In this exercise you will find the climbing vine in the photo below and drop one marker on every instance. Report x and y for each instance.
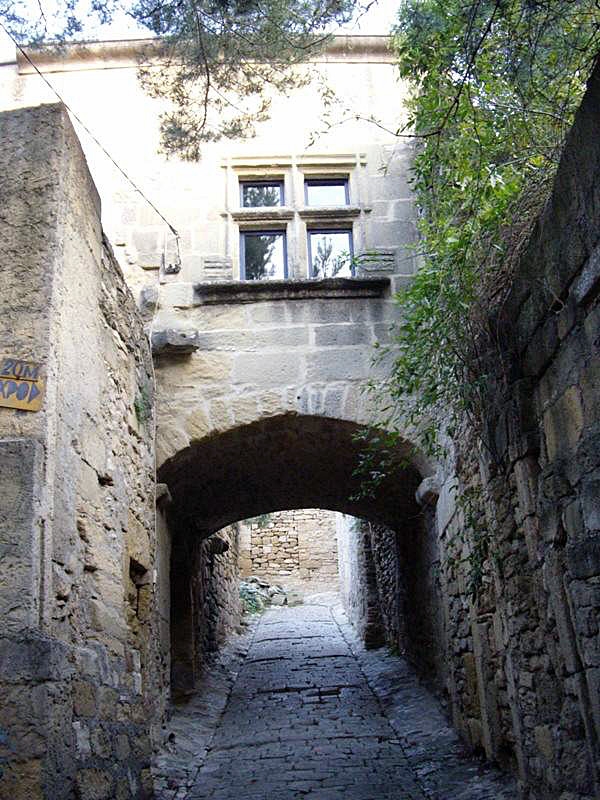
(495, 84)
(494, 88)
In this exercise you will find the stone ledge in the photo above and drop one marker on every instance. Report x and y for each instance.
(330, 214)
(267, 214)
(174, 342)
(252, 291)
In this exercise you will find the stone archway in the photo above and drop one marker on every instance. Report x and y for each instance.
(288, 461)
(282, 462)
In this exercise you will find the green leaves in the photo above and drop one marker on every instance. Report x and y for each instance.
(496, 84)
(222, 60)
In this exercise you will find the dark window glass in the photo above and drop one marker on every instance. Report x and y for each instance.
(330, 254)
(323, 192)
(263, 256)
(261, 193)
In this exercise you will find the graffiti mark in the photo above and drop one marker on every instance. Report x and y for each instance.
(21, 384)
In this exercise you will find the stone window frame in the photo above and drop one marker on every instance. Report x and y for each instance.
(312, 230)
(257, 232)
(296, 217)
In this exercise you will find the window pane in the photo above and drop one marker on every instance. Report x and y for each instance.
(261, 194)
(326, 193)
(330, 254)
(263, 256)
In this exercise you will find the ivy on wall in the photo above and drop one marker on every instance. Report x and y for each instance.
(495, 85)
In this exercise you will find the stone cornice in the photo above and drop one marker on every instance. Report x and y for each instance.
(132, 52)
(330, 214)
(267, 214)
(252, 291)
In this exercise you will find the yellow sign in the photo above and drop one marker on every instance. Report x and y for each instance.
(21, 384)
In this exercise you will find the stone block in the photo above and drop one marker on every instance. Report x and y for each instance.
(276, 370)
(210, 367)
(122, 747)
(588, 280)
(337, 365)
(148, 301)
(107, 620)
(315, 311)
(176, 295)
(197, 425)
(108, 699)
(583, 557)
(84, 699)
(333, 402)
(245, 410)
(170, 439)
(272, 403)
(591, 504)
(34, 658)
(221, 416)
(563, 424)
(22, 780)
(94, 784)
(544, 742)
(137, 541)
(174, 342)
(255, 340)
(342, 335)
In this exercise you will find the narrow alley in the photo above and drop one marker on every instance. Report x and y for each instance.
(312, 714)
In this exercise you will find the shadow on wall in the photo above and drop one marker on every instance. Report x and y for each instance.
(280, 463)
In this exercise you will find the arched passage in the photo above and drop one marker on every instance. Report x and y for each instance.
(283, 462)
(288, 461)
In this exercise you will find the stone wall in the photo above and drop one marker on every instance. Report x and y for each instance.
(291, 547)
(205, 602)
(218, 588)
(80, 672)
(358, 579)
(390, 589)
(524, 652)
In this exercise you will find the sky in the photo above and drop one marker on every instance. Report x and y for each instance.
(378, 20)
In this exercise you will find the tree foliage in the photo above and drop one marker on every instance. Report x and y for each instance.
(215, 62)
(495, 87)
(224, 58)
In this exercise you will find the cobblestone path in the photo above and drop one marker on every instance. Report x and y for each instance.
(304, 719)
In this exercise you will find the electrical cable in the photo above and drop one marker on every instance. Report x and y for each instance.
(91, 135)
(139, 191)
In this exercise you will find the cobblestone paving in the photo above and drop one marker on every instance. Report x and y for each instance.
(311, 714)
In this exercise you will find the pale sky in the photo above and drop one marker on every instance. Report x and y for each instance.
(378, 20)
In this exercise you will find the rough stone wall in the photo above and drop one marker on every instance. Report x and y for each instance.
(217, 587)
(358, 579)
(205, 602)
(390, 589)
(291, 546)
(78, 655)
(524, 654)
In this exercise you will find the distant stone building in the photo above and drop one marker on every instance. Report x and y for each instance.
(292, 548)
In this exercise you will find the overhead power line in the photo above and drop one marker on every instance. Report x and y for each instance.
(90, 134)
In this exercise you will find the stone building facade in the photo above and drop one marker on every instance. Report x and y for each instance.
(109, 599)
(294, 548)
